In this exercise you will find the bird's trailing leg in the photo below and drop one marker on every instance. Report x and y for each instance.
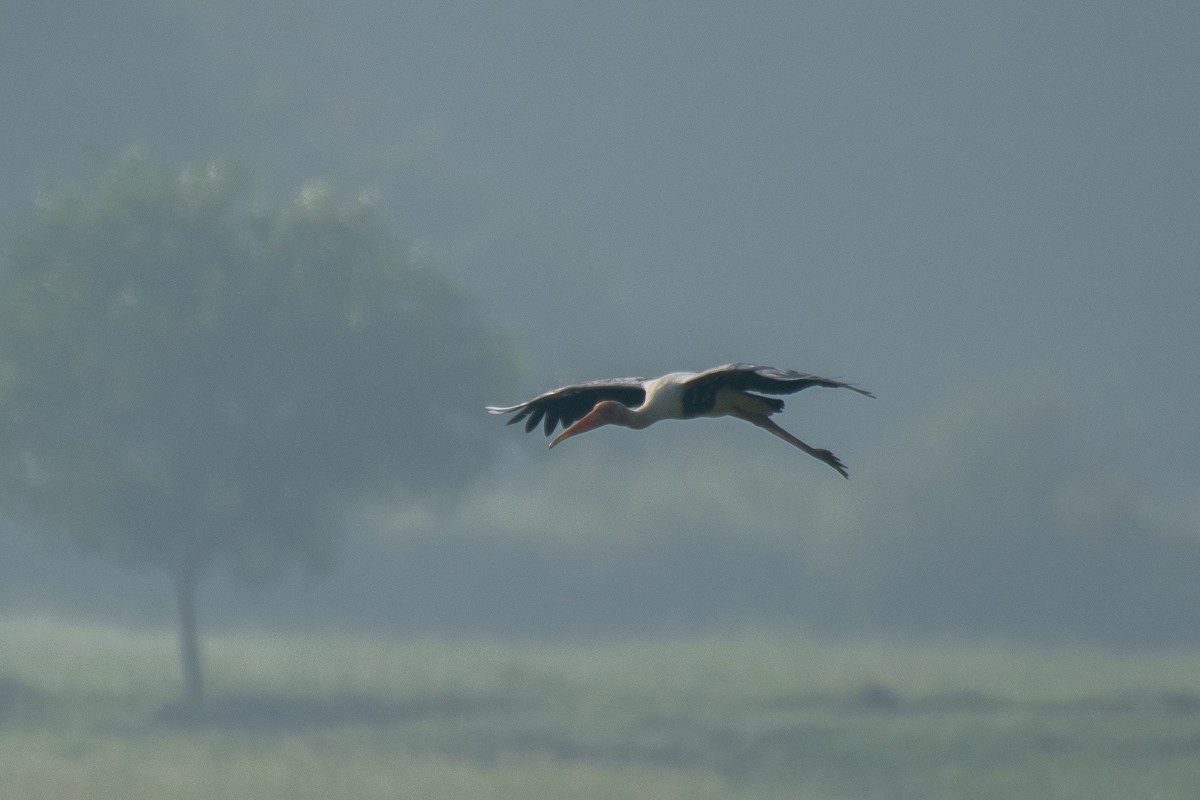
(766, 424)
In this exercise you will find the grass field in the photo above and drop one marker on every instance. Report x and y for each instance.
(85, 712)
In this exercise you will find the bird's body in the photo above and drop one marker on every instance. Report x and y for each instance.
(728, 390)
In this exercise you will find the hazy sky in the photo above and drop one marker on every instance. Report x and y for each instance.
(951, 203)
(986, 213)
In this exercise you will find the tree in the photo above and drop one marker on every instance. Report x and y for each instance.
(190, 382)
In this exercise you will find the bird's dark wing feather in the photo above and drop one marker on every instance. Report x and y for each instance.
(769, 380)
(568, 404)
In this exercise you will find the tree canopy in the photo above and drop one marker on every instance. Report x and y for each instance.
(188, 378)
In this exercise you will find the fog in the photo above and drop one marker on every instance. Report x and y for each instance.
(985, 214)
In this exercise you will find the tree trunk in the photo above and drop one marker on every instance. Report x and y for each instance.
(189, 644)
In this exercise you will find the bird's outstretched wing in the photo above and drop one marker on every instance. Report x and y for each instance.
(769, 380)
(569, 403)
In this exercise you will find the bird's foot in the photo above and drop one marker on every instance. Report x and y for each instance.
(832, 460)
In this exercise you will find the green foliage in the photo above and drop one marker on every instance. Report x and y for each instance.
(185, 376)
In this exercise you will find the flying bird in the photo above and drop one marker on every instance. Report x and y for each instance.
(637, 403)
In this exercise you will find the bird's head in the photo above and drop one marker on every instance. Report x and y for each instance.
(606, 412)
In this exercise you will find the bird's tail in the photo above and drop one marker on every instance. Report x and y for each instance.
(767, 405)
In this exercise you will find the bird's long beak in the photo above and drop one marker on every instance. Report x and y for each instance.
(588, 422)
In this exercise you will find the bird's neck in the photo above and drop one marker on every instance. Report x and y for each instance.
(638, 418)
(664, 400)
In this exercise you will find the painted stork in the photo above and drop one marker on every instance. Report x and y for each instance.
(640, 402)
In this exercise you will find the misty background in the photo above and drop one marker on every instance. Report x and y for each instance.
(987, 215)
